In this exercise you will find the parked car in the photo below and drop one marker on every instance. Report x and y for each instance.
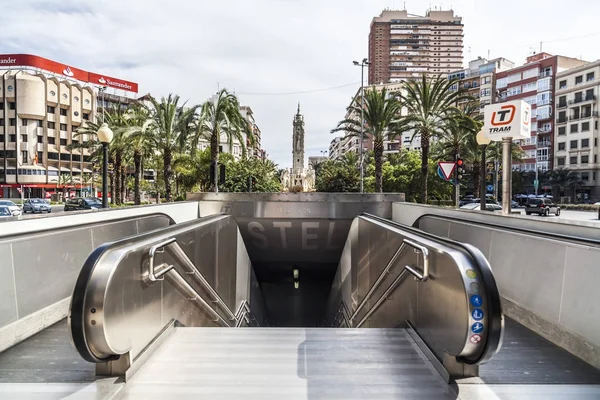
(83, 203)
(5, 212)
(36, 206)
(477, 206)
(541, 207)
(14, 209)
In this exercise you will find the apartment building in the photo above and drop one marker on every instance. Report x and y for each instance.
(42, 104)
(479, 79)
(533, 82)
(404, 46)
(335, 147)
(576, 135)
(236, 147)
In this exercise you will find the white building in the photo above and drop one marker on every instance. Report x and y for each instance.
(577, 135)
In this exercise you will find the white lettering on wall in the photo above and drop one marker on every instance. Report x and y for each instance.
(308, 236)
(260, 240)
(330, 245)
(282, 226)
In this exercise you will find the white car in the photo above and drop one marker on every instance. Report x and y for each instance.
(14, 209)
(5, 212)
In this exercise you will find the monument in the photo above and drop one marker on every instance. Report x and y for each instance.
(298, 176)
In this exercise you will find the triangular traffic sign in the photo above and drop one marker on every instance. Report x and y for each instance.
(447, 168)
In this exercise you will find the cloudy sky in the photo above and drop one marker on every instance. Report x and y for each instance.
(266, 49)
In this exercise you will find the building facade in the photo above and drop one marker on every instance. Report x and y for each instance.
(533, 83)
(576, 135)
(404, 46)
(42, 104)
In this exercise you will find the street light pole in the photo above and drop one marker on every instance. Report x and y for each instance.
(483, 142)
(362, 65)
(105, 136)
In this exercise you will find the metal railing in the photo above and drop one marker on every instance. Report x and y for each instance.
(420, 249)
(156, 273)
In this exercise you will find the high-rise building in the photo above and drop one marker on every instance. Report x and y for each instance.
(576, 135)
(42, 104)
(533, 82)
(405, 46)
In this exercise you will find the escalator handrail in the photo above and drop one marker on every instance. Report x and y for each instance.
(495, 314)
(551, 235)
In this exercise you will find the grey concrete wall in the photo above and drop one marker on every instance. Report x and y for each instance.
(547, 284)
(38, 269)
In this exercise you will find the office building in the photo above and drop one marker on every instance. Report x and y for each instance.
(533, 82)
(576, 135)
(42, 104)
(404, 46)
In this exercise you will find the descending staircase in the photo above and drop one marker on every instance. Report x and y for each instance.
(288, 364)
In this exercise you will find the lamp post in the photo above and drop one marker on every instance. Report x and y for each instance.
(362, 66)
(483, 142)
(105, 135)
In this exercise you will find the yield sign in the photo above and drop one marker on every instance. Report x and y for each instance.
(447, 167)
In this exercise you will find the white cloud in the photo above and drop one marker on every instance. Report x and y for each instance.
(266, 46)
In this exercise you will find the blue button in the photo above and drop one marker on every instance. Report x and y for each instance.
(476, 300)
(477, 327)
(477, 314)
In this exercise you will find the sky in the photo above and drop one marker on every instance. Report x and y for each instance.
(270, 51)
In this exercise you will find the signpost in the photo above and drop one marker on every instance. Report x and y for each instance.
(446, 168)
(504, 122)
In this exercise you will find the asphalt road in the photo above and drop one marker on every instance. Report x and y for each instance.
(58, 209)
(569, 215)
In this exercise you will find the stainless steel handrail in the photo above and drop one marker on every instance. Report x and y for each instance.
(177, 252)
(385, 295)
(422, 277)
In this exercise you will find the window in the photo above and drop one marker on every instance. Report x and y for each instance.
(573, 160)
(513, 91)
(560, 161)
(543, 99)
(24, 138)
(589, 76)
(562, 116)
(585, 143)
(585, 127)
(63, 127)
(485, 92)
(50, 110)
(86, 116)
(514, 78)
(24, 155)
(24, 122)
(12, 121)
(585, 176)
(501, 83)
(529, 87)
(51, 140)
(2, 137)
(63, 112)
(562, 146)
(40, 138)
(573, 144)
(63, 142)
(486, 80)
(585, 159)
(578, 97)
(51, 125)
(578, 79)
(531, 73)
(40, 155)
(543, 112)
(562, 101)
(586, 111)
(12, 105)
(562, 84)
(39, 123)
(574, 128)
(544, 84)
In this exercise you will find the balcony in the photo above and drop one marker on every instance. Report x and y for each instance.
(543, 158)
(562, 104)
(574, 117)
(545, 130)
(543, 117)
(545, 74)
(582, 99)
(562, 120)
(543, 143)
(589, 115)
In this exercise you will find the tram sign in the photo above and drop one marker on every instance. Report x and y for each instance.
(511, 119)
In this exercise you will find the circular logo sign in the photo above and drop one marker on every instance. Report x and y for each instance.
(475, 339)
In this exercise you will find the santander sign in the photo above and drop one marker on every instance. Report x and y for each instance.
(27, 60)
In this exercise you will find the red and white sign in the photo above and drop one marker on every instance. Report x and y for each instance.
(27, 60)
(475, 339)
(447, 167)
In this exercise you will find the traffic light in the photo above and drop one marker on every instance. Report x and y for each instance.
(460, 169)
(251, 183)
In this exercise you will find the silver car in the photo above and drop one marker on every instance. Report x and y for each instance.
(36, 206)
(5, 212)
(14, 209)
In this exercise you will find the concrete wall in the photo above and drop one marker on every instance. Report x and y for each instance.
(547, 284)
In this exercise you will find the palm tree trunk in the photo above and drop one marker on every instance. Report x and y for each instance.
(378, 154)
(111, 182)
(123, 183)
(424, 165)
(137, 162)
(214, 159)
(167, 159)
(117, 172)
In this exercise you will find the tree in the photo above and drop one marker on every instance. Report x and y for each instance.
(222, 118)
(137, 134)
(431, 109)
(263, 173)
(563, 178)
(172, 126)
(336, 177)
(381, 120)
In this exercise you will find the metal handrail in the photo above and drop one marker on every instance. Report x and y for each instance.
(156, 273)
(422, 277)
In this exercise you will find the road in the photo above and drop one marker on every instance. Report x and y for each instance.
(58, 209)
(569, 215)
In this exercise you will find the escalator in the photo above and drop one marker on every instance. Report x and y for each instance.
(199, 309)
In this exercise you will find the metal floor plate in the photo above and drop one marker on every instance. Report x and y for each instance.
(280, 363)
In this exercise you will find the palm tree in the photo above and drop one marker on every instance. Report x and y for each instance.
(431, 109)
(138, 136)
(563, 178)
(381, 120)
(172, 125)
(219, 119)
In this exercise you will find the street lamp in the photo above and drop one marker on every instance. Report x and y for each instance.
(105, 135)
(483, 141)
(362, 66)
